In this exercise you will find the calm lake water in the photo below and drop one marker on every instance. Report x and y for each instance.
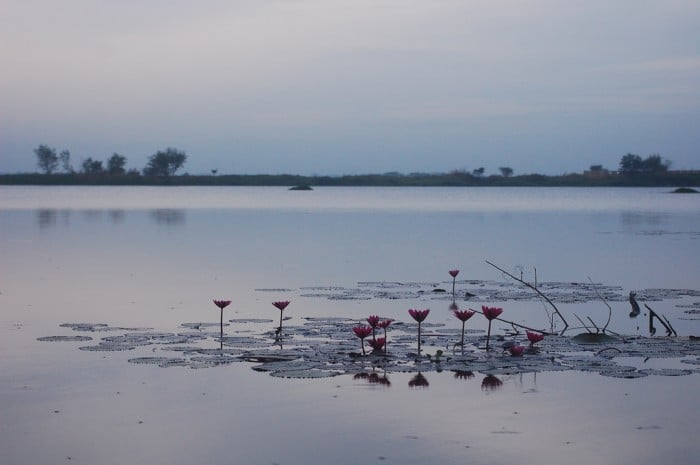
(157, 256)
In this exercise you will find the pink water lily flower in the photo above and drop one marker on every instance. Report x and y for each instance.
(490, 313)
(534, 337)
(281, 305)
(516, 351)
(373, 321)
(419, 316)
(378, 343)
(454, 274)
(222, 304)
(463, 316)
(384, 324)
(362, 331)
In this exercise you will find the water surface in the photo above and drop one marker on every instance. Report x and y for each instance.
(156, 256)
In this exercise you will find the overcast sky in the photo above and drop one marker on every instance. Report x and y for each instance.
(358, 86)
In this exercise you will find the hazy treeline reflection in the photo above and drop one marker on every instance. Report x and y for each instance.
(47, 218)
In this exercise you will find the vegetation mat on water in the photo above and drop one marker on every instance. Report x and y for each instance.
(323, 347)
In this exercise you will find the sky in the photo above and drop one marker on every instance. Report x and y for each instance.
(335, 87)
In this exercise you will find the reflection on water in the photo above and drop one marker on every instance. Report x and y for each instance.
(418, 381)
(168, 216)
(172, 250)
(373, 378)
(465, 375)
(633, 220)
(117, 216)
(491, 383)
(48, 218)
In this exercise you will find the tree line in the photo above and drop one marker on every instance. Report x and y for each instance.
(162, 163)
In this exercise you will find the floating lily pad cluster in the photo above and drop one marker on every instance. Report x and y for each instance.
(322, 347)
(488, 291)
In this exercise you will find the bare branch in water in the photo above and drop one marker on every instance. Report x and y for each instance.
(604, 301)
(584, 324)
(597, 329)
(666, 324)
(534, 288)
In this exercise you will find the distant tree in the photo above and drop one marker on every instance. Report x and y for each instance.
(634, 164)
(506, 171)
(116, 164)
(655, 164)
(90, 166)
(47, 160)
(165, 163)
(479, 172)
(596, 168)
(64, 156)
(214, 171)
(631, 164)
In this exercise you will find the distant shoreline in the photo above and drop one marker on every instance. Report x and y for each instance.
(454, 179)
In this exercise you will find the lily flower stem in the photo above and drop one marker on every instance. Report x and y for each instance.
(453, 287)
(488, 336)
(386, 343)
(362, 343)
(280, 323)
(419, 338)
(463, 323)
(221, 332)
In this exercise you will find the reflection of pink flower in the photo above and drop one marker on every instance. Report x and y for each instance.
(378, 343)
(374, 378)
(463, 315)
(490, 313)
(491, 383)
(362, 331)
(534, 337)
(419, 316)
(454, 273)
(418, 381)
(516, 351)
(460, 374)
